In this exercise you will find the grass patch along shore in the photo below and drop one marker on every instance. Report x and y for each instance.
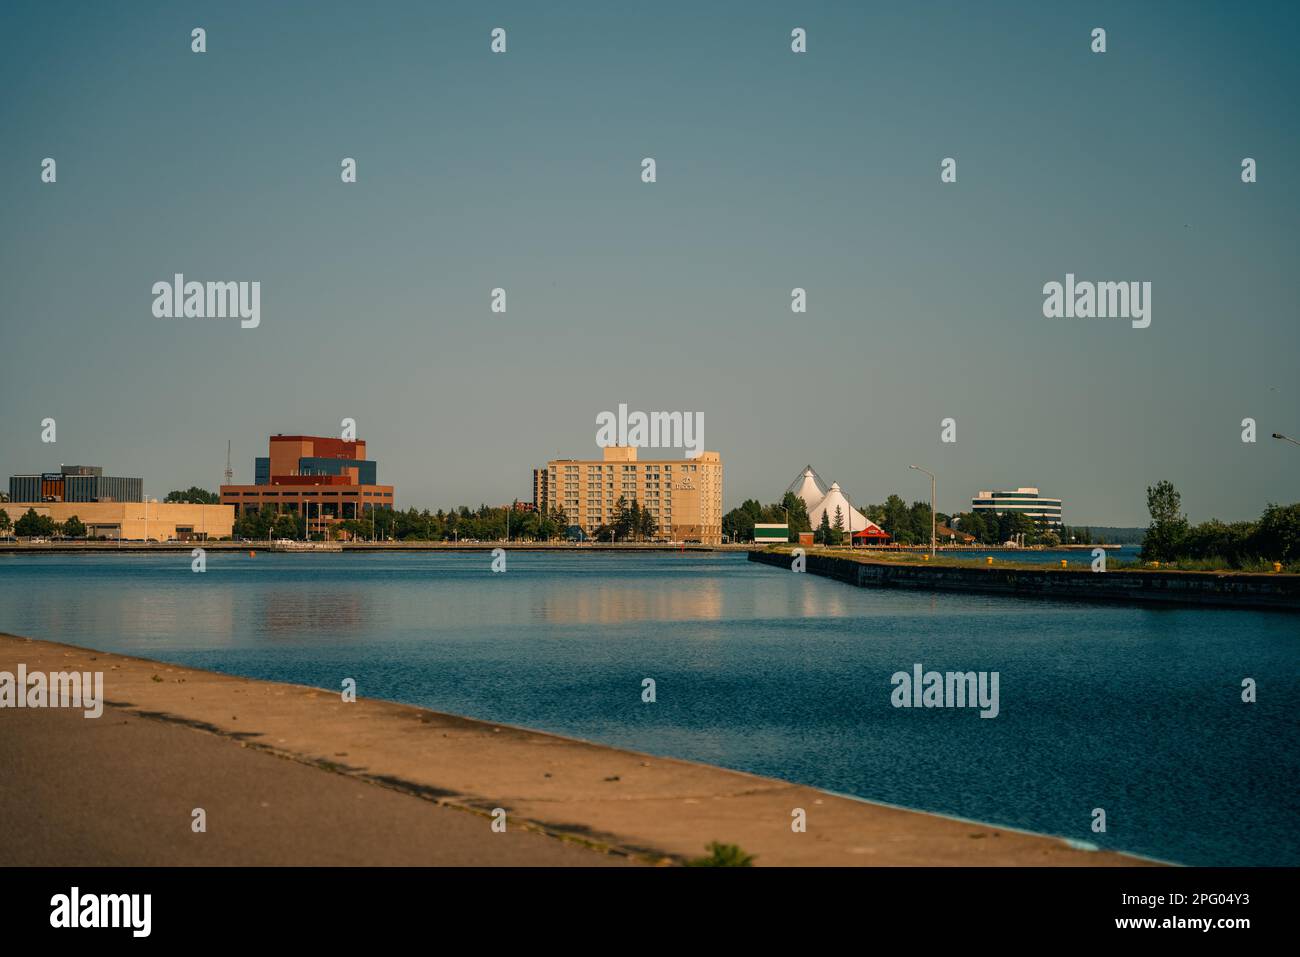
(1002, 558)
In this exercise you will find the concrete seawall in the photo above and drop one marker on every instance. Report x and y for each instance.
(1205, 589)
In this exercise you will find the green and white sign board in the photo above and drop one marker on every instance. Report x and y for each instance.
(768, 534)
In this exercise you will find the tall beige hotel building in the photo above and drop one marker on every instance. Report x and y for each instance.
(684, 495)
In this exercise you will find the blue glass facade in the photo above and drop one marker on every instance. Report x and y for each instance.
(102, 488)
(367, 469)
(24, 488)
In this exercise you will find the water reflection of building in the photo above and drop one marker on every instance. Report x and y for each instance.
(611, 603)
(306, 609)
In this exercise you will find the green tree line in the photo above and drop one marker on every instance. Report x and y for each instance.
(1274, 537)
(32, 525)
(738, 524)
(386, 523)
(905, 524)
(630, 523)
(194, 496)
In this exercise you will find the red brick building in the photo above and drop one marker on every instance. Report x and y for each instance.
(326, 480)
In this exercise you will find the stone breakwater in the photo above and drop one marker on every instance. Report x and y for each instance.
(1205, 589)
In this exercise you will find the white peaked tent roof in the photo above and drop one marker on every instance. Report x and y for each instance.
(809, 490)
(828, 504)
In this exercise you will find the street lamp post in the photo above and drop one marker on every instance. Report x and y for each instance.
(1285, 438)
(932, 521)
(850, 501)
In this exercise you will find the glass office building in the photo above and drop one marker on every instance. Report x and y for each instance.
(1025, 500)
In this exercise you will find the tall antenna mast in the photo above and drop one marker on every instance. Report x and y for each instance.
(230, 476)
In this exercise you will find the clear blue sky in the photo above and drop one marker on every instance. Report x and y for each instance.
(775, 170)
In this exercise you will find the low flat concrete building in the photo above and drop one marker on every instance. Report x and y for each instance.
(137, 521)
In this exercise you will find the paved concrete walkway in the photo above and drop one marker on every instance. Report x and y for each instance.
(121, 789)
(293, 775)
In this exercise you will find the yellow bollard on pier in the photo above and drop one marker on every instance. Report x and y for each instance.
(1062, 562)
(989, 560)
(1277, 566)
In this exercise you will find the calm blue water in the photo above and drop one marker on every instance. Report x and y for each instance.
(1134, 710)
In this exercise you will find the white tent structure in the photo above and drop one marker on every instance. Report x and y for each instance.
(853, 520)
(809, 487)
(820, 500)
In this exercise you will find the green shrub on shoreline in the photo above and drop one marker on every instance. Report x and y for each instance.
(1216, 545)
(723, 855)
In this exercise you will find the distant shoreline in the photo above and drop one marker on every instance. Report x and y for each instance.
(423, 546)
(336, 547)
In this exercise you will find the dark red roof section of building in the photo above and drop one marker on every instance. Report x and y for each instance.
(311, 480)
(324, 447)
